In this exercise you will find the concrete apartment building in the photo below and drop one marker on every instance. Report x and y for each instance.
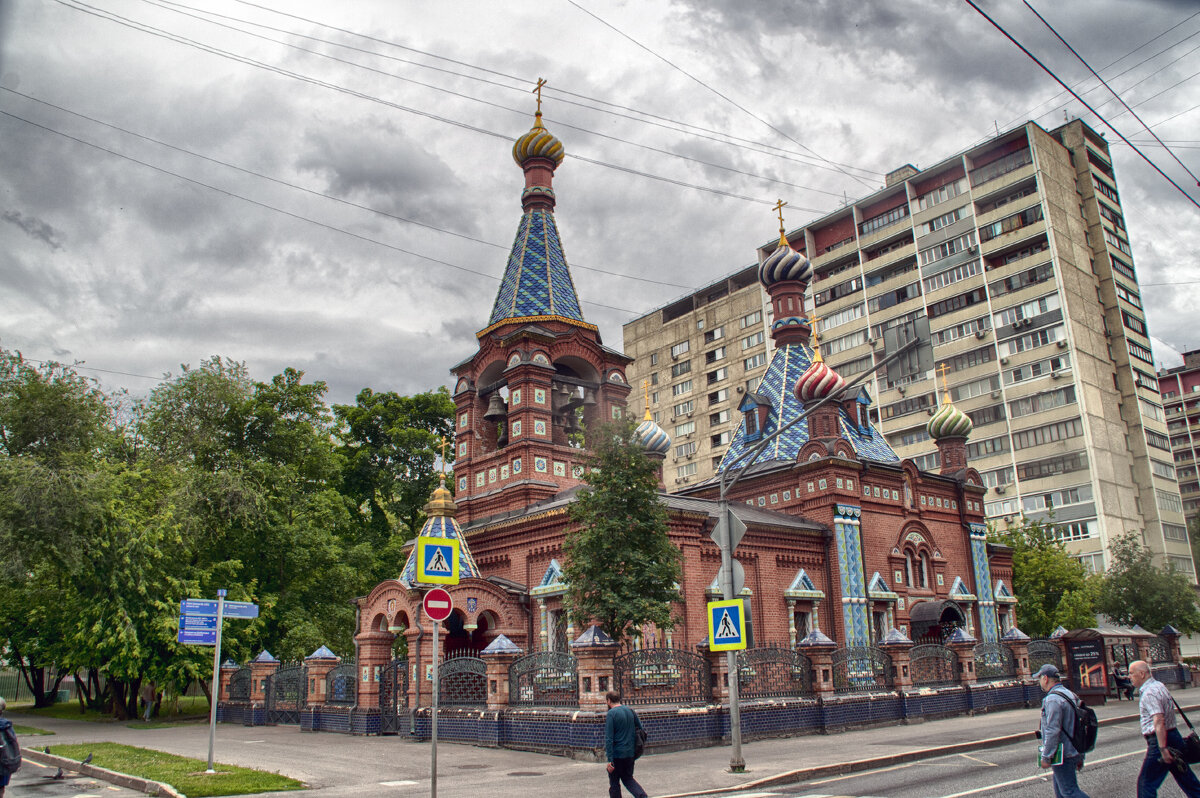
(1016, 252)
(1180, 388)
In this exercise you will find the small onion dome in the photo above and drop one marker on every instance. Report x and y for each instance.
(442, 502)
(652, 437)
(783, 264)
(949, 422)
(817, 382)
(538, 142)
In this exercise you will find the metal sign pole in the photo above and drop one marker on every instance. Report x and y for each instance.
(433, 720)
(736, 763)
(214, 692)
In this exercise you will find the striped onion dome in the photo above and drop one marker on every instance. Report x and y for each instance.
(538, 142)
(949, 422)
(784, 263)
(817, 382)
(652, 437)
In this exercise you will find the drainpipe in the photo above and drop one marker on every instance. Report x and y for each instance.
(420, 677)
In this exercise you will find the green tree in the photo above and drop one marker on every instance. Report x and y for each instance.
(620, 567)
(1136, 591)
(1051, 586)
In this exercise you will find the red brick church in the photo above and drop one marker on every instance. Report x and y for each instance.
(846, 543)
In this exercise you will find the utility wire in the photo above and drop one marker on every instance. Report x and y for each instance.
(727, 138)
(270, 207)
(1047, 70)
(141, 27)
(1114, 94)
(724, 97)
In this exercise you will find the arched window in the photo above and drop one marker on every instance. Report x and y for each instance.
(908, 569)
(924, 570)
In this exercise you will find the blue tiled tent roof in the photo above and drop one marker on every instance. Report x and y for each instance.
(442, 526)
(537, 282)
(787, 364)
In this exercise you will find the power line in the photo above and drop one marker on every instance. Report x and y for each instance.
(727, 99)
(1048, 71)
(1114, 94)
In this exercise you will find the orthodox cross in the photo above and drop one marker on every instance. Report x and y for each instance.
(816, 345)
(779, 206)
(646, 392)
(538, 91)
(444, 444)
(945, 391)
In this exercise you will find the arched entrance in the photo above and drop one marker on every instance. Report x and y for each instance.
(933, 621)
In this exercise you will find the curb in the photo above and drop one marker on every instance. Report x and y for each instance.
(859, 765)
(111, 776)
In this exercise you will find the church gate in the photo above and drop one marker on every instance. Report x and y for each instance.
(341, 685)
(1044, 652)
(544, 679)
(393, 695)
(462, 680)
(287, 690)
(773, 672)
(662, 676)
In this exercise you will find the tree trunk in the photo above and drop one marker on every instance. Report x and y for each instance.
(205, 689)
(119, 709)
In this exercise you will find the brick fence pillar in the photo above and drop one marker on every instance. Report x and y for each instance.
(963, 646)
(261, 667)
(1171, 635)
(897, 646)
(499, 655)
(819, 650)
(594, 654)
(374, 654)
(319, 664)
(1018, 643)
(228, 668)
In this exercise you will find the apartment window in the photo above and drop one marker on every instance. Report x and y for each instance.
(1041, 245)
(1175, 532)
(683, 450)
(872, 254)
(838, 291)
(941, 194)
(1112, 216)
(1133, 322)
(1026, 310)
(986, 415)
(683, 408)
(654, 398)
(1165, 470)
(909, 436)
(1094, 563)
(947, 248)
(883, 220)
(1182, 564)
(1158, 440)
(970, 390)
(1001, 166)
(997, 477)
(715, 334)
(718, 375)
(952, 276)
(680, 369)
(654, 358)
(843, 343)
(718, 418)
(888, 272)
(654, 378)
(752, 340)
(720, 439)
(914, 404)
(855, 366)
(928, 462)
(842, 316)
(1116, 241)
(1152, 410)
(752, 318)
(1122, 268)
(682, 388)
(754, 362)
(962, 330)
(716, 397)
(680, 348)
(753, 383)
(945, 220)
(845, 242)
(1132, 297)
(1000, 508)
(1168, 502)
(1106, 189)
(1077, 530)
(1056, 498)
(1015, 282)
(887, 300)
(1140, 352)
(1013, 196)
(1009, 223)
(1032, 340)
(1036, 369)
(686, 428)
(1062, 430)
(686, 470)
(714, 355)
(989, 446)
(984, 354)
(1051, 466)
(1037, 403)
(965, 300)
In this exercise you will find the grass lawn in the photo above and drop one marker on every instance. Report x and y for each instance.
(19, 729)
(184, 774)
(189, 706)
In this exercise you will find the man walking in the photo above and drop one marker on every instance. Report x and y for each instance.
(1058, 724)
(1158, 727)
(619, 725)
(10, 750)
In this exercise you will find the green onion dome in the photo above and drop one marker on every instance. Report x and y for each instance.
(949, 422)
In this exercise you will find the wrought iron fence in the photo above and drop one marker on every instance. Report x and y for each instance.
(662, 676)
(1123, 654)
(771, 672)
(861, 669)
(393, 692)
(462, 681)
(287, 690)
(545, 678)
(993, 661)
(1044, 652)
(1160, 650)
(932, 666)
(341, 685)
(240, 685)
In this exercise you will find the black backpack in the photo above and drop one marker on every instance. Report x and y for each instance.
(639, 742)
(10, 751)
(1086, 726)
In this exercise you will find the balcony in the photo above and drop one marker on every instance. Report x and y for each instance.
(1004, 211)
(1013, 237)
(889, 258)
(981, 192)
(848, 253)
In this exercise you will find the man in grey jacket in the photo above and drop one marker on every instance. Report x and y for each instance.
(1058, 724)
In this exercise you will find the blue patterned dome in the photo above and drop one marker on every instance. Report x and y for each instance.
(783, 264)
(652, 437)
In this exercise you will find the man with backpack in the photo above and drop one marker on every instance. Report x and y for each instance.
(1163, 741)
(10, 751)
(1059, 727)
(620, 737)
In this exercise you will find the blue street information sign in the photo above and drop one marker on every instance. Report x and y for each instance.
(233, 609)
(198, 637)
(726, 625)
(198, 622)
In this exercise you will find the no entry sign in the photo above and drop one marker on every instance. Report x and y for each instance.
(438, 604)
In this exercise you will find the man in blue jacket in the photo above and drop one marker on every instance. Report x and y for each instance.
(619, 725)
(1058, 724)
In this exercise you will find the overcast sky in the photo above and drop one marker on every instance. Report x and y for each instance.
(334, 190)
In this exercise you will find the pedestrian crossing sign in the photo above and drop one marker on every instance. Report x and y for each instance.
(726, 625)
(437, 560)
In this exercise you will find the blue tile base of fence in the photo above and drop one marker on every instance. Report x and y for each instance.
(580, 734)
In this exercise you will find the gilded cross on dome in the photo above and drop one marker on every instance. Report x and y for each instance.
(945, 390)
(816, 345)
(646, 393)
(779, 206)
(538, 91)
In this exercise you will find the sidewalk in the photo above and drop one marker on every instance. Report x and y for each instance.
(341, 765)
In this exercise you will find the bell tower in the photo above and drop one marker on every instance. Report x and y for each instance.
(541, 374)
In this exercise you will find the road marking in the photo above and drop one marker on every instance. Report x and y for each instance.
(980, 761)
(832, 779)
(252, 742)
(397, 783)
(1043, 775)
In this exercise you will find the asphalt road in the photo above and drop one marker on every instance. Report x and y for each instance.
(1111, 770)
(35, 780)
